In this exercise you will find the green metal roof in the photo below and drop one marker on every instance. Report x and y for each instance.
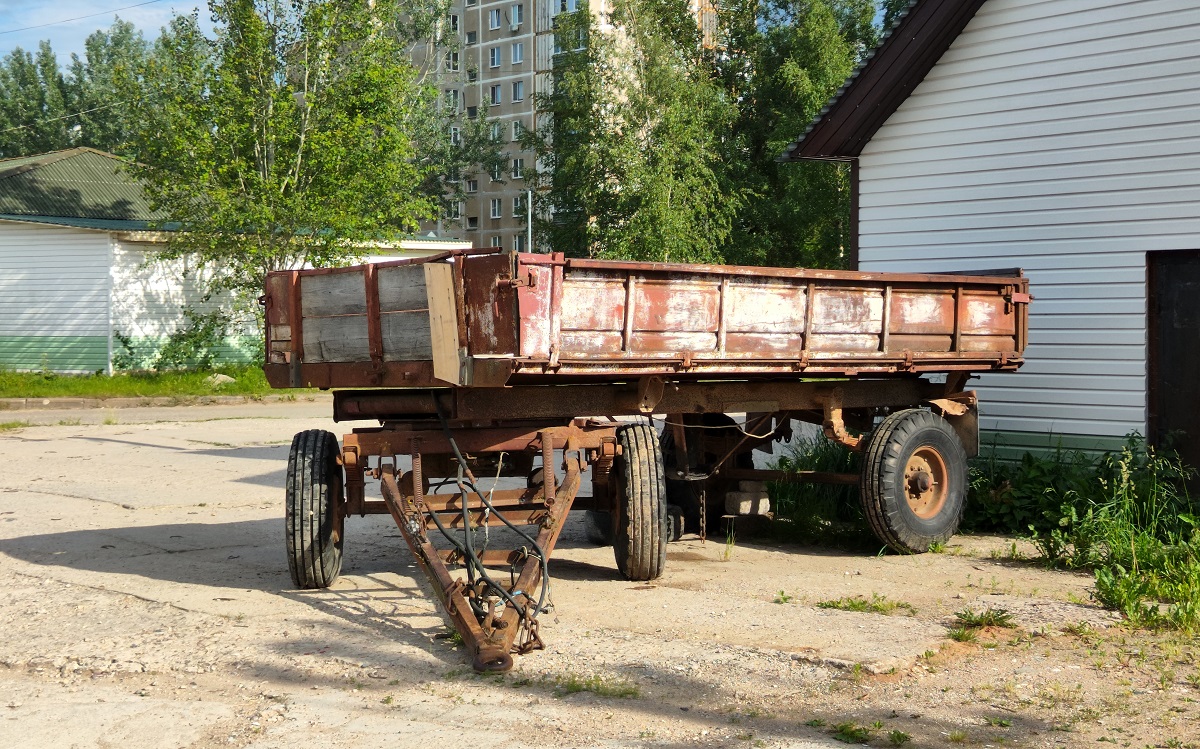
(77, 187)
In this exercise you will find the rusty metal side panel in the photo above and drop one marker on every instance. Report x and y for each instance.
(846, 318)
(489, 304)
(533, 311)
(277, 317)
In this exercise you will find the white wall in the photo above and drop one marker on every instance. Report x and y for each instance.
(54, 287)
(1061, 136)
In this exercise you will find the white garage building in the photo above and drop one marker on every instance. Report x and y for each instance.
(1061, 137)
(75, 284)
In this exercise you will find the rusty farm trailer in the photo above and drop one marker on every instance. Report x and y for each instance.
(496, 364)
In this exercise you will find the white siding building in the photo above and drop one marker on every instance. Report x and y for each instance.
(1061, 137)
(80, 290)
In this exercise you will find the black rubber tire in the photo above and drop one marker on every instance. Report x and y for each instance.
(640, 544)
(901, 439)
(311, 515)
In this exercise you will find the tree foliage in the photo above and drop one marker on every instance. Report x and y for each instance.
(631, 141)
(285, 139)
(658, 148)
(44, 109)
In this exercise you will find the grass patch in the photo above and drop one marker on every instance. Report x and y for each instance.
(8, 426)
(898, 738)
(851, 733)
(876, 604)
(248, 381)
(962, 634)
(819, 514)
(572, 684)
(989, 617)
(1125, 515)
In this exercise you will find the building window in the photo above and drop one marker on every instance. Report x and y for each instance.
(494, 18)
(472, 37)
(568, 6)
(518, 169)
(472, 222)
(518, 16)
(518, 91)
(497, 207)
(518, 130)
(472, 2)
(454, 210)
(518, 242)
(455, 136)
(495, 94)
(494, 57)
(495, 173)
(452, 101)
(494, 241)
(472, 112)
(518, 53)
(452, 62)
(497, 129)
(472, 75)
(472, 185)
(519, 206)
(454, 23)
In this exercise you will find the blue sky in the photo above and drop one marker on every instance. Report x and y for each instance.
(66, 35)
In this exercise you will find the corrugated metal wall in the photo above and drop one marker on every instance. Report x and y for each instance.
(54, 287)
(1060, 136)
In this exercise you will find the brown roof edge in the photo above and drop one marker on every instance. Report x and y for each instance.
(884, 80)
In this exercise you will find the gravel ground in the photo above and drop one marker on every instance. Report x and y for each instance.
(145, 602)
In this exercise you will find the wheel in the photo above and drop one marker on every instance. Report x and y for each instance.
(914, 480)
(313, 515)
(640, 543)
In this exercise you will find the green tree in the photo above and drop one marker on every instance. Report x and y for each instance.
(658, 149)
(32, 103)
(631, 138)
(286, 139)
(93, 87)
(42, 109)
(785, 59)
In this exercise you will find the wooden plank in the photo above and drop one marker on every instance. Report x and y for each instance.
(336, 339)
(443, 322)
(402, 287)
(406, 336)
(332, 294)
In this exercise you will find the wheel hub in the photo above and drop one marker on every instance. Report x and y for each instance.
(925, 482)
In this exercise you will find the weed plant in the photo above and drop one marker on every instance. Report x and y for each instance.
(1126, 515)
(876, 604)
(825, 514)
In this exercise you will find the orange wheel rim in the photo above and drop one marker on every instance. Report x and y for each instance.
(925, 482)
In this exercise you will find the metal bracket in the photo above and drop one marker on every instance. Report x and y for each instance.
(834, 426)
(650, 393)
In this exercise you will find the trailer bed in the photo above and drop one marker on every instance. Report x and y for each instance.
(492, 318)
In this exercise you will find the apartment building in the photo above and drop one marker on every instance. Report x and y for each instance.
(503, 58)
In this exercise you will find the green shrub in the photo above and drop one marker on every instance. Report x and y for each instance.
(1126, 515)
